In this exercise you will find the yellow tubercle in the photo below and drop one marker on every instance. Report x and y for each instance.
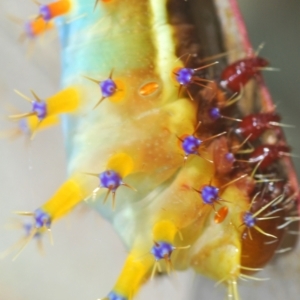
(66, 101)
(35, 124)
(164, 230)
(121, 163)
(66, 198)
(59, 8)
(135, 272)
(40, 26)
(120, 93)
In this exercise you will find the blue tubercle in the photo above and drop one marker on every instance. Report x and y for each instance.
(45, 12)
(230, 157)
(162, 250)
(184, 76)
(249, 220)
(40, 108)
(23, 126)
(41, 219)
(28, 229)
(110, 180)
(209, 194)
(214, 113)
(108, 87)
(190, 145)
(28, 29)
(115, 296)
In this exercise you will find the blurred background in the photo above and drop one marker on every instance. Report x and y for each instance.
(87, 256)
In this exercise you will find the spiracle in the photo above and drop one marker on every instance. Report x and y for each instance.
(145, 132)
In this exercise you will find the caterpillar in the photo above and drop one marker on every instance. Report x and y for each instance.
(163, 229)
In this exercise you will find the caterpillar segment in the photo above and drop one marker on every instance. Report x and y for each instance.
(172, 213)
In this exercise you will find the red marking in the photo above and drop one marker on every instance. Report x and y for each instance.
(149, 88)
(239, 73)
(268, 154)
(257, 124)
(221, 214)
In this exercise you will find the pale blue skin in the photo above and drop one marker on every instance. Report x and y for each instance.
(68, 69)
(95, 55)
(74, 65)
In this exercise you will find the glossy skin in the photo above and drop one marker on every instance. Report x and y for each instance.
(256, 124)
(259, 247)
(238, 74)
(268, 154)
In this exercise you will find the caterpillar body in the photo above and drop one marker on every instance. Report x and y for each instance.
(183, 155)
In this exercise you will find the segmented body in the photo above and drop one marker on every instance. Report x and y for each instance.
(135, 135)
